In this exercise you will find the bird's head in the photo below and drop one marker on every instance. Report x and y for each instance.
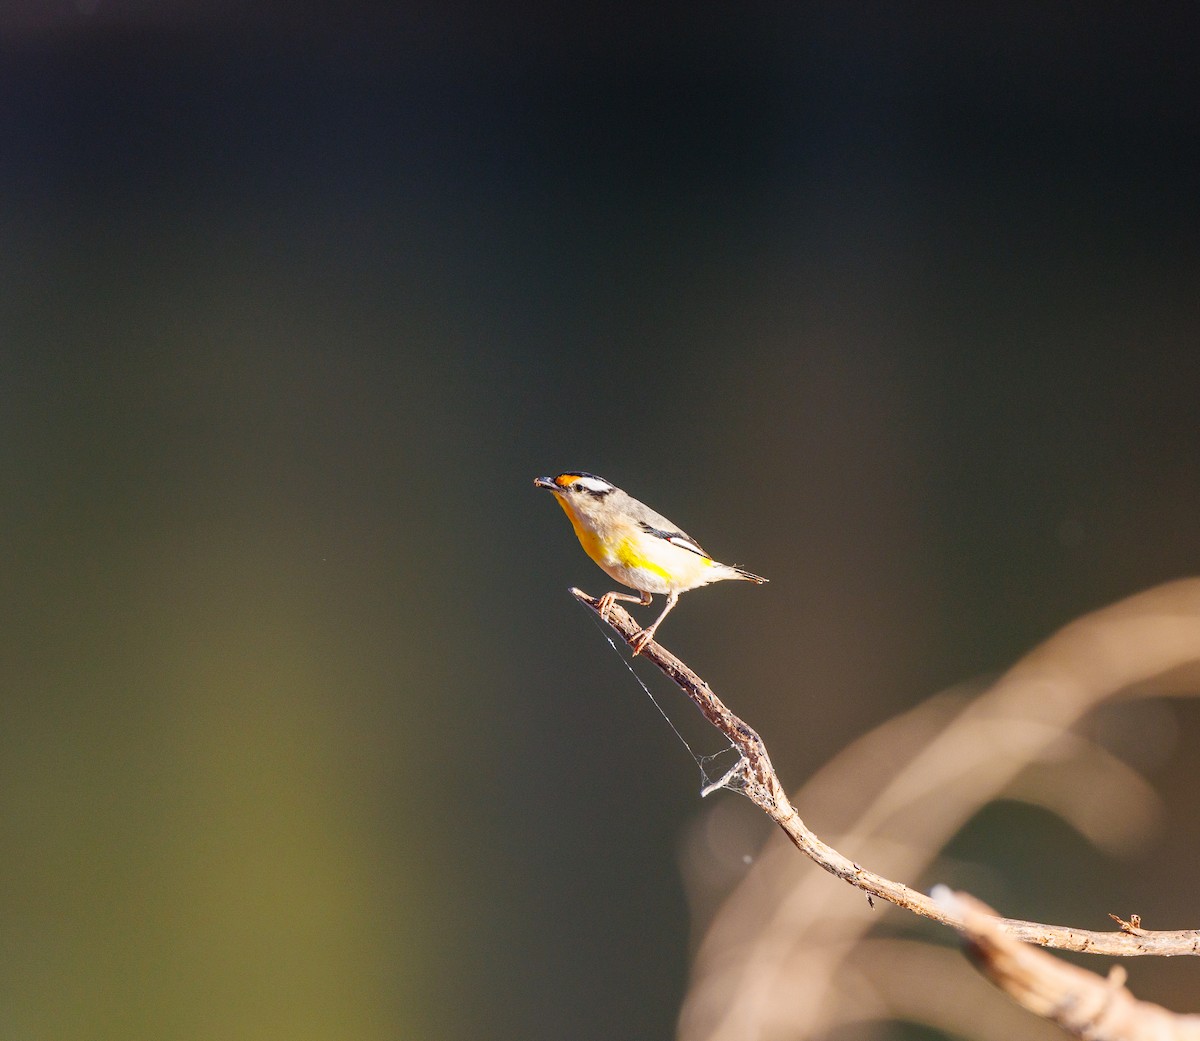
(577, 490)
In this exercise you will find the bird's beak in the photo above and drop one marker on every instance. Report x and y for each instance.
(545, 482)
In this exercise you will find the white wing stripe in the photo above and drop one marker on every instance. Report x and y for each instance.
(688, 544)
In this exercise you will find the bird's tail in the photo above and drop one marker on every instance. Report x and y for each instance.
(742, 573)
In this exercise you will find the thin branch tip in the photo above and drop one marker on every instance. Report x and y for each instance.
(1133, 927)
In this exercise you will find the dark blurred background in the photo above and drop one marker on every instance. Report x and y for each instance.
(300, 734)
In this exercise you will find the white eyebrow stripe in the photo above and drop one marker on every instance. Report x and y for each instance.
(592, 484)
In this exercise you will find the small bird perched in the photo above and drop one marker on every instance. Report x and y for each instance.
(634, 545)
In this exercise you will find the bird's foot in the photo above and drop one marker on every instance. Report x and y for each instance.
(605, 605)
(641, 640)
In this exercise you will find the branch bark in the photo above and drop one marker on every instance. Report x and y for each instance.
(756, 778)
(1081, 1002)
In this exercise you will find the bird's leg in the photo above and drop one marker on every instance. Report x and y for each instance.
(647, 634)
(608, 599)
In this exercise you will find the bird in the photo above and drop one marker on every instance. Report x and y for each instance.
(635, 546)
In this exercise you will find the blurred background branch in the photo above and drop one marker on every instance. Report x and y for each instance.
(955, 758)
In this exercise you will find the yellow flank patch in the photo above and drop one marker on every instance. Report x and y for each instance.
(628, 555)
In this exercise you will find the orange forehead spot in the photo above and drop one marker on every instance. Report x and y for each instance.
(565, 480)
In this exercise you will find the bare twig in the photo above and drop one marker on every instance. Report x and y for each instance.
(1087, 1005)
(762, 786)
